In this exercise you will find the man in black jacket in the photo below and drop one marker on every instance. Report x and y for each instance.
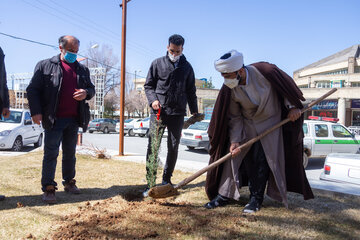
(4, 94)
(169, 86)
(57, 94)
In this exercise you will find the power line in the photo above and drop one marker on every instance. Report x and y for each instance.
(56, 47)
(99, 32)
(19, 38)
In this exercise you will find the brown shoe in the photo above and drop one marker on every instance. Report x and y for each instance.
(71, 187)
(49, 194)
(2, 197)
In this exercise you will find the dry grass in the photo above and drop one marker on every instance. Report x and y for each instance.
(110, 207)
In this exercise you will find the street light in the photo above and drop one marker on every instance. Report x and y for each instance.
(83, 58)
(136, 71)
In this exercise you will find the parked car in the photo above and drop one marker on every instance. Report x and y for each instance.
(324, 137)
(141, 127)
(128, 126)
(19, 130)
(354, 130)
(342, 167)
(195, 136)
(104, 125)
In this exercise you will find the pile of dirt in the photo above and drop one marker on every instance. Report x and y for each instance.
(134, 218)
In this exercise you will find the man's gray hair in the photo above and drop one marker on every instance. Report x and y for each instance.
(63, 40)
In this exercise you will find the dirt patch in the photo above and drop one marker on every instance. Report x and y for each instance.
(160, 219)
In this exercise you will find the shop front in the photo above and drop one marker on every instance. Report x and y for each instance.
(326, 108)
(355, 112)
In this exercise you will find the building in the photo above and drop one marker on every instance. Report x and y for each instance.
(206, 96)
(340, 70)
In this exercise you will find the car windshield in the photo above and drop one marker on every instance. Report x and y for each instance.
(15, 117)
(146, 119)
(128, 120)
(199, 126)
(98, 120)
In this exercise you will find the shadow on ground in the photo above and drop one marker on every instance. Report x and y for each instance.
(129, 193)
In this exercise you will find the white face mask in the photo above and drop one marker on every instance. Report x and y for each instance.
(174, 58)
(231, 82)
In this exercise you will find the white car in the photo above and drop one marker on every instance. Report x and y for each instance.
(128, 127)
(195, 136)
(18, 130)
(324, 137)
(342, 167)
(141, 127)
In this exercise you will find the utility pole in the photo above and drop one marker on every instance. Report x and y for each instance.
(122, 80)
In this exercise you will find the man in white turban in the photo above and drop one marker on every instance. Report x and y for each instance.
(253, 99)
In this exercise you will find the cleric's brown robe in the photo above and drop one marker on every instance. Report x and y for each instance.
(285, 87)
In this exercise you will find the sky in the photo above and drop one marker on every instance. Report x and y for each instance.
(289, 33)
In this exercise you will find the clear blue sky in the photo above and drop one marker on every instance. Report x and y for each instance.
(289, 33)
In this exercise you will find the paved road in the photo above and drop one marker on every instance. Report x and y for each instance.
(138, 145)
(191, 160)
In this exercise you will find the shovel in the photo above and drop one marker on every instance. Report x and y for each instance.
(169, 190)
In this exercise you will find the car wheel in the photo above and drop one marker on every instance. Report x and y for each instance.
(39, 141)
(131, 133)
(18, 144)
(305, 160)
(91, 131)
(106, 130)
(190, 148)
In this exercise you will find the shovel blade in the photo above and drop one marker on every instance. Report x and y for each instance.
(163, 191)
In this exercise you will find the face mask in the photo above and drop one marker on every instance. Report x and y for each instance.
(174, 58)
(231, 82)
(70, 57)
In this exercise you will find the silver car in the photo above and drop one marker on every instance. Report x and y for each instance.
(104, 125)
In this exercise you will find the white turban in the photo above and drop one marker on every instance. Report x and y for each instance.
(230, 62)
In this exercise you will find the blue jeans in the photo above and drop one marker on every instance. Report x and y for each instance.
(64, 131)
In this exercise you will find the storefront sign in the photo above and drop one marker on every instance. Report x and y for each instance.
(327, 104)
(355, 103)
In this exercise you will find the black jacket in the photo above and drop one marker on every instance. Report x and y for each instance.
(4, 92)
(172, 86)
(43, 91)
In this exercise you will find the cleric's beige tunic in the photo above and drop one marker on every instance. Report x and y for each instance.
(255, 107)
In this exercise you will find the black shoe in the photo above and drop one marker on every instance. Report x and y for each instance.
(253, 206)
(146, 193)
(218, 201)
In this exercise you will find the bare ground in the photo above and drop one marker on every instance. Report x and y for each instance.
(111, 207)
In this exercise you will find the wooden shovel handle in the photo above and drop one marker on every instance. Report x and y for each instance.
(248, 143)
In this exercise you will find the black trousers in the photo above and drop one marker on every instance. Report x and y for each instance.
(257, 170)
(174, 124)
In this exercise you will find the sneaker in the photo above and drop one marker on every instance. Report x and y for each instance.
(71, 187)
(218, 201)
(146, 193)
(49, 194)
(253, 206)
(2, 197)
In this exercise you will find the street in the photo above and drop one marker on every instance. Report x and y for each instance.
(138, 145)
(198, 158)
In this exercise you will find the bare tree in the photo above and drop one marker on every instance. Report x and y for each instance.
(136, 103)
(111, 103)
(104, 57)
